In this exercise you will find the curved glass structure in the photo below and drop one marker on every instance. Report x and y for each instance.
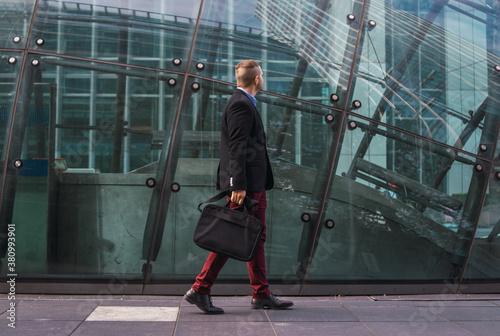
(382, 120)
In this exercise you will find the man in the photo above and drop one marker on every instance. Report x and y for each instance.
(244, 170)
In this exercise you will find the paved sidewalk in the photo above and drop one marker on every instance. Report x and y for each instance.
(441, 315)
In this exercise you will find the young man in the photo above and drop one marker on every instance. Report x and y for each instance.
(244, 170)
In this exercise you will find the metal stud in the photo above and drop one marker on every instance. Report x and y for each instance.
(195, 86)
(497, 67)
(176, 61)
(329, 224)
(329, 118)
(497, 174)
(351, 125)
(200, 66)
(175, 187)
(18, 163)
(150, 182)
(12, 60)
(172, 82)
(40, 41)
(483, 148)
(305, 217)
(478, 167)
(351, 18)
(356, 104)
(334, 98)
(372, 24)
(35, 62)
(16, 39)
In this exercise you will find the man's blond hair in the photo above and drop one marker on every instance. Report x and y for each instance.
(245, 72)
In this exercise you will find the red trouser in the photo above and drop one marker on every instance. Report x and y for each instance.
(256, 266)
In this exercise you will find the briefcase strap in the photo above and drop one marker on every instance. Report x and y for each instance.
(248, 203)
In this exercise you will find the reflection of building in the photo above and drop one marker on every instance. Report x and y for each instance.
(374, 122)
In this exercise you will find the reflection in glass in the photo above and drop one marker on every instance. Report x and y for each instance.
(148, 33)
(14, 25)
(407, 176)
(414, 206)
(484, 260)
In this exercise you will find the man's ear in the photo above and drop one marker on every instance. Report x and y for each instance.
(256, 80)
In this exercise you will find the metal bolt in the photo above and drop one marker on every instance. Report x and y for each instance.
(150, 182)
(334, 98)
(483, 148)
(200, 66)
(195, 86)
(329, 118)
(351, 17)
(176, 61)
(329, 224)
(40, 41)
(16, 39)
(18, 163)
(35, 62)
(12, 60)
(356, 104)
(175, 187)
(372, 23)
(305, 217)
(351, 125)
(172, 82)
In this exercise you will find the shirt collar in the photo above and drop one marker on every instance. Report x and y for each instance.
(252, 98)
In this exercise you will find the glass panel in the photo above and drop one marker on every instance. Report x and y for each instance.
(10, 65)
(484, 260)
(15, 23)
(291, 39)
(9, 72)
(147, 33)
(196, 169)
(396, 214)
(425, 68)
(83, 216)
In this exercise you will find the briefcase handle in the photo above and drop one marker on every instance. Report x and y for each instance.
(248, 203)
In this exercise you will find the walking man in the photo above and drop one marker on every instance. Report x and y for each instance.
(244, 170)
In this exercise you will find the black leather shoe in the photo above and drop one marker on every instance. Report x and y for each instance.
(271, 302)
(203, 302)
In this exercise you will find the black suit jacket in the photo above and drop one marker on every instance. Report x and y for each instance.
(244, 163)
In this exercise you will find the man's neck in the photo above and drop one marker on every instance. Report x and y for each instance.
(251, 90)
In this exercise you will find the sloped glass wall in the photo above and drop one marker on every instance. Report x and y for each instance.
(381, 118)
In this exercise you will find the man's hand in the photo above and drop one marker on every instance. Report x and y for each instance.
(238, 196)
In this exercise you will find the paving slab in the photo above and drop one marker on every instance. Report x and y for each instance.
(417, 328)
(38, 328)
(136, 314)
(395, 314)
(321, 328)
(459, 314)
(191, 313)
(29, 311)
(237, 328)
(311, 314)
(124, 328)
(481, 328)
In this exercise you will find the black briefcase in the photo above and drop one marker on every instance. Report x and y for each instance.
(232, 233)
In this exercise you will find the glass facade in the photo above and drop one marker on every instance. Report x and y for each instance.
(382, 120)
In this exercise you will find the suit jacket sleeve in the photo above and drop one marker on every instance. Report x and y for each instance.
(239, 125)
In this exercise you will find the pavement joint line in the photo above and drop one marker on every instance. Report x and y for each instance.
(271, 323)
(459, 326)
(360, 321)
(178, 317)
